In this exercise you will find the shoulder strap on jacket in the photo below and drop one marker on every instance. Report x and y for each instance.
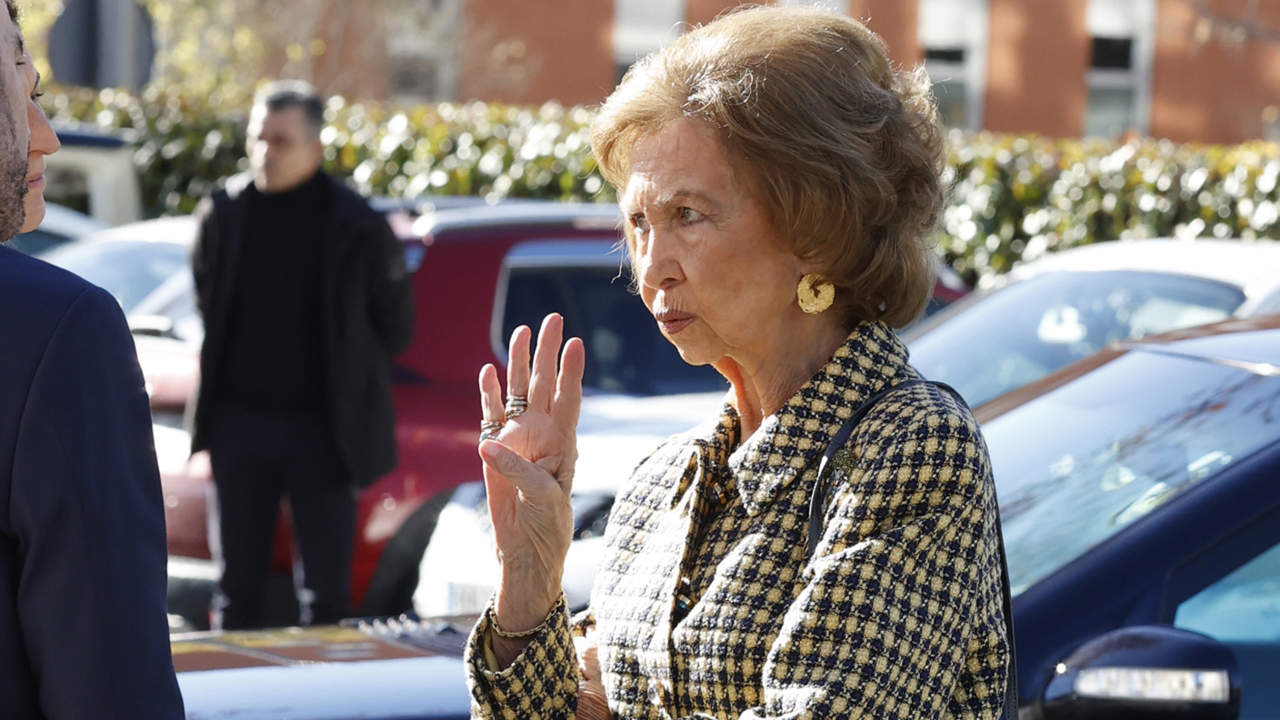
(817, 511)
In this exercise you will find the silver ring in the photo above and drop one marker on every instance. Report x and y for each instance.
(516, 405)
(488, 429)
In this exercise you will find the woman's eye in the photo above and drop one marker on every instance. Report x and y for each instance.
(688, 215)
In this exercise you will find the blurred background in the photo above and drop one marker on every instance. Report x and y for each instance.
(1075, 120)
(1073, 123)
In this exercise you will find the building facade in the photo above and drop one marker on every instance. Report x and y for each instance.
(1188, 70)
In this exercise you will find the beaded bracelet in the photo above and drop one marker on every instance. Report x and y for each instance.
(493, 622)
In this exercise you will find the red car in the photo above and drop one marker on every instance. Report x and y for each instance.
(478, 273)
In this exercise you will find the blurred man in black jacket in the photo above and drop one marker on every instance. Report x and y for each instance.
(82, 540)
(305, 300)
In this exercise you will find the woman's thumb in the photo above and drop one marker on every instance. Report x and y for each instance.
(507, 463)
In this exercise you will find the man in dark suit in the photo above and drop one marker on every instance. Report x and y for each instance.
(305, 300)
(82, 539)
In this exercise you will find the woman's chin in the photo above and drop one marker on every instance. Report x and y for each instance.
(694, 355)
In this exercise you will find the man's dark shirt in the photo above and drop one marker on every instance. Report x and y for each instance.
(273, 352)
(366, 316)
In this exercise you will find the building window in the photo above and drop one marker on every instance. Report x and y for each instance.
(1119, 85)
(946, 68)
(641, 27)
(953, 35)
(422, 45)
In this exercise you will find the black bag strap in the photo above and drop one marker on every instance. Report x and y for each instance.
(817, 510)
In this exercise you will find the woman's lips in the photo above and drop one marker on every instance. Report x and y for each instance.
(673, 322)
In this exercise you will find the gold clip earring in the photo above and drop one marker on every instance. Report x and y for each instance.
(815, 296)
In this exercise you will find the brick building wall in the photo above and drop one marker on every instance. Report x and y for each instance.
(1036, 63)
(1210, 84)
(531, 52)
(1202, 81)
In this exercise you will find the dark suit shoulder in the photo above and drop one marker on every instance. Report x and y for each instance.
(35, 295)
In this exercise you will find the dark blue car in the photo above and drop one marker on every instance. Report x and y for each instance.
(1140, 492)
(1140, 496)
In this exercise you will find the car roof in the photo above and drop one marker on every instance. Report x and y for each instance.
(1254, 267)
(86, 135)
(65, 221)
(467, 215)
(179, 229)
(1249, 344)
(583, 216)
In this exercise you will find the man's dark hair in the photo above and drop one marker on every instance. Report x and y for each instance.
(285, 94)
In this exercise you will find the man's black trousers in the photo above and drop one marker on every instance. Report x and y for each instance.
(259, 458)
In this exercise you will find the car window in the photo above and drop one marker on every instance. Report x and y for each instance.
(128, 270)
(1269, 304)
(625, 351)
(1242, 610)
(1081, 462)
(174, 299)
(1243, 606)
(990, 345)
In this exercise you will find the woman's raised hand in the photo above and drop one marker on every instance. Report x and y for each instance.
(528, 469)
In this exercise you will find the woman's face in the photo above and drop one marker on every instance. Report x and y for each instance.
(715, 275)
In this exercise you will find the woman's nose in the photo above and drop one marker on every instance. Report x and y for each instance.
(659, 268)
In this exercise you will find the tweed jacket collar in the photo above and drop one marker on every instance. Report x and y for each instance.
(793, 439)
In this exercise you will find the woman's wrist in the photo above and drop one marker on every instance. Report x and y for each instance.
(508, 642)
(518, 607)
(525, 633)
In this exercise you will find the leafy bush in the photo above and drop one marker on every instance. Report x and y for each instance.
(1010, 198)
(185, 146)
(1015, 198)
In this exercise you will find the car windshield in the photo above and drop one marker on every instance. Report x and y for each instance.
(987, 346)
(129, 270)
(1078, 464)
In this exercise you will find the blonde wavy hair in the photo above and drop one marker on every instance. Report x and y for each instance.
(843, 151)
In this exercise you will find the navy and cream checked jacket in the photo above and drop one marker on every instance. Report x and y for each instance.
(897, 615)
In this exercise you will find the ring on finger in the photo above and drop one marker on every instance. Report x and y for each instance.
(516, 405)
(488, 429)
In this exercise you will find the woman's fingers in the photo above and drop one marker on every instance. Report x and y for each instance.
(490, 395)
(568, 402)
(544, 363)
(518, 362)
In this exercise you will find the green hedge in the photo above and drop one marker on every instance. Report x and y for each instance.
(1010, 197)
(1015, 198)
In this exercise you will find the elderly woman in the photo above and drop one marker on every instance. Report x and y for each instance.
(777, 177)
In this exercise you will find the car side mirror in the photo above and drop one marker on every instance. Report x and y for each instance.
(152, 325)
(1145, 672)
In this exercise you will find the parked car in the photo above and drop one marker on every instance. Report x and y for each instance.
(397, 669)
(1067, 306)
(1142, 522)
(61, 225)
(130, 261)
